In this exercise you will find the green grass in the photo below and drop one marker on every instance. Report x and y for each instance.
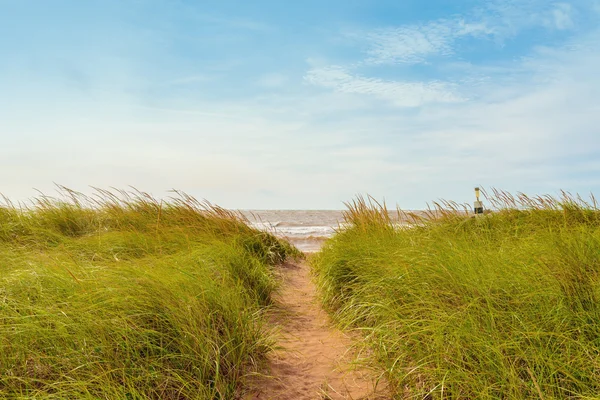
(505, 306)
(120, 296)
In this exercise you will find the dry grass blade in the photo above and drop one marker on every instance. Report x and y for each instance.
(501, 306)
(119, 295)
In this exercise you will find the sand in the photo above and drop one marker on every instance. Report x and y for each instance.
(315, 358)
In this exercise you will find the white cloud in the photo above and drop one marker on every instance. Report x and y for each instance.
(524, 126)
(416, 43)
(413, 44)
(476, 29)
(561, 17)
(320, 149)
(509, 17)
(530, 126)
(408, 44)
(401, 94)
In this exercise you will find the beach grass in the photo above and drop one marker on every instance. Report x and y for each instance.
(117, 295)
(502, 306)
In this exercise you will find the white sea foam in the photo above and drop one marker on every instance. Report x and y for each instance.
(306, 229)
(297, 231)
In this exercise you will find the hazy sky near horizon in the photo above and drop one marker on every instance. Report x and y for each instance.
(280, 104)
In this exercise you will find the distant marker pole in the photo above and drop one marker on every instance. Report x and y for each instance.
(478, 205)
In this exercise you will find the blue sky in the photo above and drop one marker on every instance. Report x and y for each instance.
(276, 104)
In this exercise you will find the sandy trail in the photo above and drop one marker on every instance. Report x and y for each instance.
(313, 362)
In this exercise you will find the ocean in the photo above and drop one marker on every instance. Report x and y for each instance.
(305, 229)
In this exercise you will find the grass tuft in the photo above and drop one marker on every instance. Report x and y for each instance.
(503, 306)
(120, 296)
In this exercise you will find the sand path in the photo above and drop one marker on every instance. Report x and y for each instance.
(314, 359)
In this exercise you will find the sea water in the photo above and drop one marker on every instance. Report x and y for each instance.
(305, 229)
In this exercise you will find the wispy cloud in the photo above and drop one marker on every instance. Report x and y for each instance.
(561, 16)
(503, 94)
(513, 16)
(402, 94)
(414, 43)
(497, 20)
(530, 122)
(408, 44)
